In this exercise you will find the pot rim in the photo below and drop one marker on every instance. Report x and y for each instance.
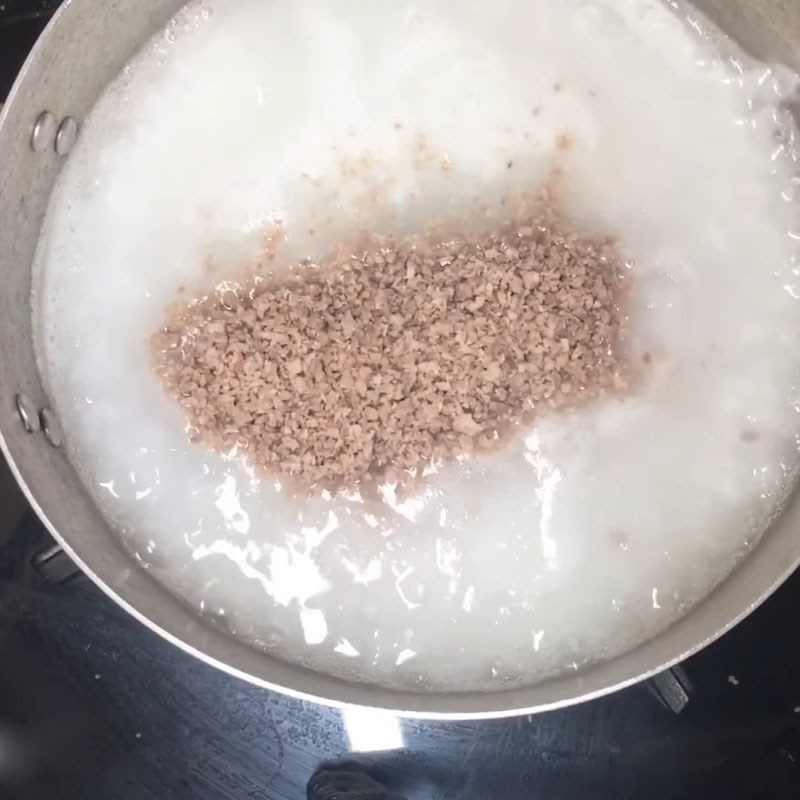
(764, 569)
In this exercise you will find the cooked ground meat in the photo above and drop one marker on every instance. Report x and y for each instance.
(397, 353)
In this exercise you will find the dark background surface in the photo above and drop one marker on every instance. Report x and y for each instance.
(95, 707)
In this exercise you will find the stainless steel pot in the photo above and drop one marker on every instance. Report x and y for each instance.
(83, 48)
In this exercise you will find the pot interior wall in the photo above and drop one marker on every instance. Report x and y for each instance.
(769, 29)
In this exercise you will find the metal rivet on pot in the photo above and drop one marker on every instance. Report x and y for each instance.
(28, 413)
(51, 428)
(66, 136)
(44, 130)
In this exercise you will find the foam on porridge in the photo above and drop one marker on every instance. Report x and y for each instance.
(596, 529)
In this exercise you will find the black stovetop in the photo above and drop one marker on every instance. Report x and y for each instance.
(93, 706)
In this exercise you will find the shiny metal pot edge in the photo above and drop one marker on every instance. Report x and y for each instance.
(83, 48)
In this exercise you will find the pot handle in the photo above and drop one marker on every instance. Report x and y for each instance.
(672, 687)
(53, 564)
